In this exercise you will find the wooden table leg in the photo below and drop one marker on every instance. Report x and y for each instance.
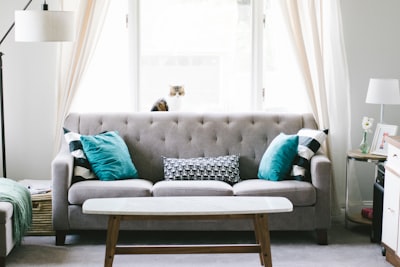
(262, 231)
(257, 236)
(112, 238)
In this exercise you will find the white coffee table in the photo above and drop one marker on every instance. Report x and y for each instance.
(189, 208)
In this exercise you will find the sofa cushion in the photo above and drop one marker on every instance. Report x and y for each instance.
(298, 192)
(223, 168)
(82, 168)
(79, 192)
(310, 141)
(192, 188)
(109, 156)
(277, 160)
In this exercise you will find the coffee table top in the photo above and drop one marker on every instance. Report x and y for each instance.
(186, 205)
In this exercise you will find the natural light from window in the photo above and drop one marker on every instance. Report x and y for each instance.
(105, 86)
(203, 45)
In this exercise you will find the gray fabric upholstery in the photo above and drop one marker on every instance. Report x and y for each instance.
(192, 188)
(7, 241)
(299, 193)
(81, 191)
(151, 135)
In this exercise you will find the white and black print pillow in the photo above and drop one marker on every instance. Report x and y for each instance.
(223, 168)
(310, 141)
(82, 168)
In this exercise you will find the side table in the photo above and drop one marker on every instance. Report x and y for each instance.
(353, 208)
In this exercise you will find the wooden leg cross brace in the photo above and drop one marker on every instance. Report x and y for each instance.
(262, 245)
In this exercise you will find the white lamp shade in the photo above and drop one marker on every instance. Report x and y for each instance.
(383, 91)
(44, 26)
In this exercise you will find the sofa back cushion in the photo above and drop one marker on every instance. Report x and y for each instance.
(153, 135)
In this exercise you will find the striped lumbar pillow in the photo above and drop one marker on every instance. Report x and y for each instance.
(82, 168)
(310, 141)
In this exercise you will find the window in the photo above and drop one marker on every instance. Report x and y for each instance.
(284, 89)
(204, 45)
(105, 86)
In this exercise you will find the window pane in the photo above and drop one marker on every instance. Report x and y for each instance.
(105, 84)
(283, 82)
(204, 45)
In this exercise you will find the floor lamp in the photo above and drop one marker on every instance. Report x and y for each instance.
(35, 26)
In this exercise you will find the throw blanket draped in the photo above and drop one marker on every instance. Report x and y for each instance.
(20, 198)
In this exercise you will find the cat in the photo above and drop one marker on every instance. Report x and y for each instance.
(174, 103)
(160, 105)
(175, 98)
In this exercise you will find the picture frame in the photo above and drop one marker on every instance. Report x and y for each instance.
(379, 145)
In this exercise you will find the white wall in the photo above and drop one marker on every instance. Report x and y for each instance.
(29, 99)
(372, 40)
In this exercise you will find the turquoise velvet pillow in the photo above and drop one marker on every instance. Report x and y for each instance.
(108, 156)
(277, 160)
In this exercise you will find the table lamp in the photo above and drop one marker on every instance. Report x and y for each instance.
(35, 26)
(383, 92)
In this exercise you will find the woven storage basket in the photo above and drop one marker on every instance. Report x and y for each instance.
(41, 215)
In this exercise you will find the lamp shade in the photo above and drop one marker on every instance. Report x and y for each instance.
(44, 26)
(383, 91)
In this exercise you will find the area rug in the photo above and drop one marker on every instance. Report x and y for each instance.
(349, 246)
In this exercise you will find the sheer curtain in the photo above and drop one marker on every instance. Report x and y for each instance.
(74, 58)
(316, 30)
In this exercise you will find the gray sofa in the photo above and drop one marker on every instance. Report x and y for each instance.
(151, 135)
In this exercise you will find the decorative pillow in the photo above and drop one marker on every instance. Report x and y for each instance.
(223, 168)
(109, 156)
(82, 169)
(277, 160)
(310, 141)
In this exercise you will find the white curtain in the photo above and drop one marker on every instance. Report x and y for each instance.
(75, 57)
(316, 30)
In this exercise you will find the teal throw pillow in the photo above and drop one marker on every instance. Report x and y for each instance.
(276, 162)
(108, 156)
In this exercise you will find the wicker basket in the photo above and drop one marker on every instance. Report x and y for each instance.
(42, 223)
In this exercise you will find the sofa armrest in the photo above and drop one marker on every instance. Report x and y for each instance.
(62, 171)
(321, 174)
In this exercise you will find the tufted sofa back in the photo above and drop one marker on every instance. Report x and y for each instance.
(151, 135)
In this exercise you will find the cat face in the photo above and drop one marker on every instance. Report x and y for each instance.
(176, 90)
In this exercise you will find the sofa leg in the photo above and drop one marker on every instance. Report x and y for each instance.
(60, 238)
(322, 236)
(2, 261)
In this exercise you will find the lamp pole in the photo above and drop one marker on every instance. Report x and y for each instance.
(3, 139)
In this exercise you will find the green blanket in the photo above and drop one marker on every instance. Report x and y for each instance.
(20, 197)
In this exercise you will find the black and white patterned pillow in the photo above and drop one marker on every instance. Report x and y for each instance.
(310, 141)
(82, 168)
(223, 168)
